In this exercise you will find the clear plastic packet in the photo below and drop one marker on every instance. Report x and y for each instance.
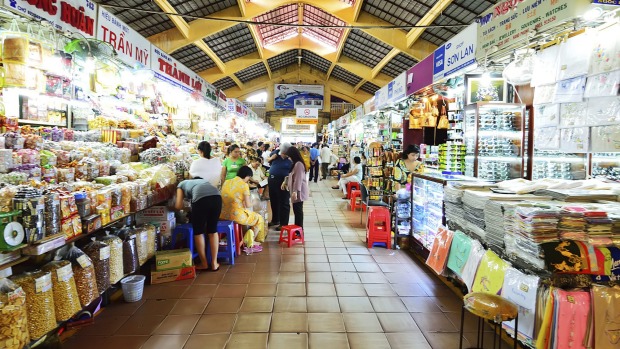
(131, 263)
(151, 233)
(99, 253)
(142, 239)
(14, 319)
(39, 302)
(116, 257)
(66, 299)
(84, 274)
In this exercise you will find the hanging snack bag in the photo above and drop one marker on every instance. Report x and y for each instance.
(99, 253)
(66, 299)
(39, 302)
(14, 319)
(84, 274)
(142, 239)
(116, 257)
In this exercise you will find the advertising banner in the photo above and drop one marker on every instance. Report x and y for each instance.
(512, 20)
(210, 92)
(381, 97)
(131, 47)
(72, 15)
(606, 2)
(369, 106)
(170, 70)
(221, 99)
(456, 55)
(289, 96)
(420, 75)
(397, 88)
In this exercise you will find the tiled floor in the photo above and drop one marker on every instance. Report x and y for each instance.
(332, 293)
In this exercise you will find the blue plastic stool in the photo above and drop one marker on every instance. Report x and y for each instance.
(225, 251)
(188, 234)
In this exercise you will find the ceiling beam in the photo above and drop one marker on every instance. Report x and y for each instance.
(414, 34)
(377, 69)
(343, 39)
(237, 81)
(179, 22)
(359, 85)
(259, 45)
(241, 4)
(209, 52)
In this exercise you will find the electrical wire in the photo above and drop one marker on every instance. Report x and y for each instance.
(295, 25)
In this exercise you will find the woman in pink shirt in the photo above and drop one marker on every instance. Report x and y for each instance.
(298, 185)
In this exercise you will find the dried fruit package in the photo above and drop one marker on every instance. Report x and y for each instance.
(84, 274)
(66, 299)
(39, 302)
(99, 253)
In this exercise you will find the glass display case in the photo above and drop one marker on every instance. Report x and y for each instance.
(606, 165)
(553, 164)
(494, 139)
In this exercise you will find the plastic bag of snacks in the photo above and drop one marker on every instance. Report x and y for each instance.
(66, 299)
(142, 240)
(84, 274)
(131, 264)
(66, 175)
(7, 194)
(116, 195)
(39, 302)
(14, 319)
(151, 232)
(48, 158)
(99, 253)
(116, 257)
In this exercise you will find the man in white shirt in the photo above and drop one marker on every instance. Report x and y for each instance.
(325, 155)
(354, 175)
(266, 154)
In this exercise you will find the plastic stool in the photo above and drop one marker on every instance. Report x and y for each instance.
(354, 195)
(227, 229)
(489, 307)
(378, 229)
(291, 237)
(187, 230)
(238, 238)
(351, 186)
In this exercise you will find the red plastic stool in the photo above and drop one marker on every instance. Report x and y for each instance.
(351, 186)
(379, 227)
(238, 238)
(291, 236)
(354, 195)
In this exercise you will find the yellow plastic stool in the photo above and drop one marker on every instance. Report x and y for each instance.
(489, 307)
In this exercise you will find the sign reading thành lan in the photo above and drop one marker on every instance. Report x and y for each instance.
(169, 69)
(511, 20)
(72, 15)
(130, 46)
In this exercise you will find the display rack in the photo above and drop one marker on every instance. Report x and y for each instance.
(494, 139)
(374, 179)
(606, 165)
(551, 164)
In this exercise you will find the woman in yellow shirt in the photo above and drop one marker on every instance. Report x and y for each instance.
(236, 202)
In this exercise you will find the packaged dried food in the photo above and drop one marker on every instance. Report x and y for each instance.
(14, 319)
(104, 198)
(39, 302)
(15, 48)
(91, 223)
(115, 195)
(142, 239)
(99, 253)
(84, 274)
(82, 202)
(151, 232)
(116, 257)
(66, 299)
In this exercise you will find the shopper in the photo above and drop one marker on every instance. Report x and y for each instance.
(326, 155)
(407, 164)
(236, 202)
(333, 163)
(265, 156)
(315, 161)
(354, 175)
(232, 163)
(206, 208)
(206, 167)
(258, 176)
(279, 198)
(305, 154)
(298, 185)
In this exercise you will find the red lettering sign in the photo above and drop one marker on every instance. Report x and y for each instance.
(45, 5)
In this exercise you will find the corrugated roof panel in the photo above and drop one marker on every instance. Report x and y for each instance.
(232, 43)
(201, 8)
(365, 48)
(193, 58)
(346, 76)
(399, 12)
(282, 60)
(252, 72)
(224, 83)
(271, 34)
(315, 61)
(400, 63)
(369, 87)
(145, 23)
(315, 16)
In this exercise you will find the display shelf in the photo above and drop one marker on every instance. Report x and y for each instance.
(606, 165)
(494, 139)
(14, 263)
(40, 123)
(547, 164)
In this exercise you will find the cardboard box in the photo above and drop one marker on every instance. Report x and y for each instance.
(159, 277)
(173, 259)
(154, 214)
(166, 227)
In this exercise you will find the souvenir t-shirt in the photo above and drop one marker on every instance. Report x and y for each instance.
(571, 314)
(490, 274)
(606, 306)
(473, 261)
(522, 290)
(439, 252)
(459, 252)
(232, 167)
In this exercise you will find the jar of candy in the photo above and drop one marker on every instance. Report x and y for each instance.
(83, 203)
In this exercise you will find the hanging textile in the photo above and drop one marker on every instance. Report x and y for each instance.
(459, 253)
(490, 274)
(439, 252)
(606, 307)
(522, 290)
(473, 261)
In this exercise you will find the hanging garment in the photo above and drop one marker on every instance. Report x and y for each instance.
(606, 302)
(522, 290)
(490, 274)
(473, 261)
(459, 253)
(571, 319)
(439, 252)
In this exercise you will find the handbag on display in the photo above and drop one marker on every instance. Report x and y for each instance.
(443, 124)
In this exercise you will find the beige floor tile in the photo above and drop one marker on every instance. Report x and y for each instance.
(288, 341)
(328, 340)
(325, 322)
(178, 324)
(257, 305)
(262, 290)
(290, 305)
(355, 305)
(264, 278)
(320, 290)
(408, 340)
(247, 341)
(289, 322)
(252, 322)
(231, 291)
(368, 341)
(190, 306)
(292, 277)
(397, 322)
(166, 341)
(207, 341)
(379, 290)
(323, 305)
(362, 322)
(291, 290)
(388, 305)
(223, 305)
(215, 323)
(350, 290)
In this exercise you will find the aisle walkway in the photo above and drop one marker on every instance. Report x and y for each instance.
(331, 293)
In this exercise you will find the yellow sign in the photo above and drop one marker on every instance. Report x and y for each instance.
(299, 121)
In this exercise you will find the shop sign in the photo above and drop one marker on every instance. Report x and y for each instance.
(307, 113)
(210, 92)
(130, 46)
(606, 2)
(369, 106)
(71, 15)
(420, 75)
(221, 99)
(302, 121)
(397, 88)
(289, 96)
(456, 55)
(172, 71)
(295, 127)
(381, 97)
(512, 20)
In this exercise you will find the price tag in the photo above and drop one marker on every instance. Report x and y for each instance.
(84, 261)
(43, 284)
(18, 293)
(104, 253)
(65, 273)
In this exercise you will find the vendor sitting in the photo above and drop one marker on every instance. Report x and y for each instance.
(258, 176)
(355, 175)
